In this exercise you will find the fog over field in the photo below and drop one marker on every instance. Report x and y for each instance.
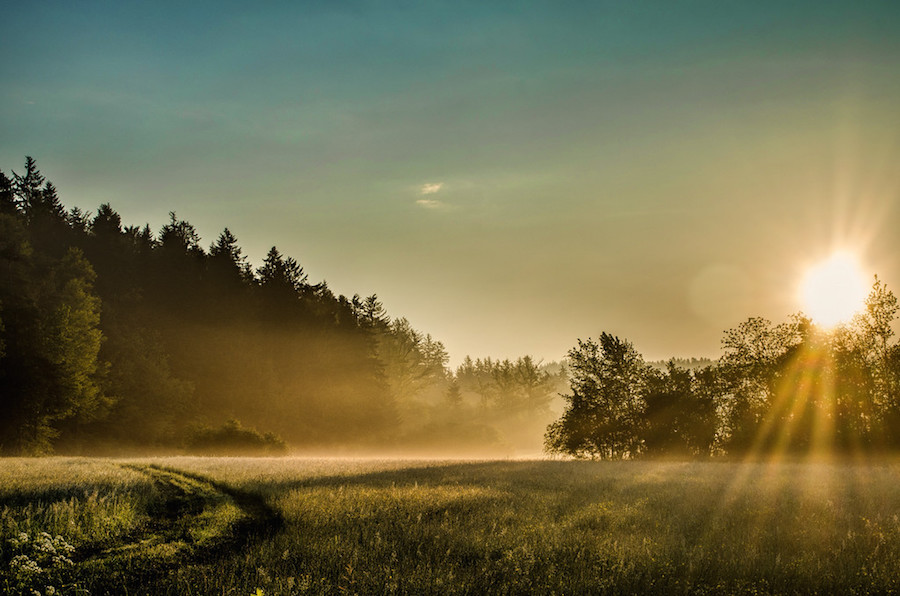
(449, 297)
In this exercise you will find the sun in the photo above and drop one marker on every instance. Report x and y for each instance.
(833, 290)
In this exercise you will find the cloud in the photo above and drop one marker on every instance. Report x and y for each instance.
(431, 188)
(429, 203)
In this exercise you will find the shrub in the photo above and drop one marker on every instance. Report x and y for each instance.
(233, 439)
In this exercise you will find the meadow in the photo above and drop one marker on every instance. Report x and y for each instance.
(364, 526)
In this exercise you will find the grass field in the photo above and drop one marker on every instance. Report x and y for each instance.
(321, 526)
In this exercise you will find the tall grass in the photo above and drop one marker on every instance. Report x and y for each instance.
(566, 527)
(551, 527)
(52, 508)
(87, 501)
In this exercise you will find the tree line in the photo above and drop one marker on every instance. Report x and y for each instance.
(778, 389)
(113, 336)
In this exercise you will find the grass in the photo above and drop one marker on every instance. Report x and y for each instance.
(89, 501)
(321, 526)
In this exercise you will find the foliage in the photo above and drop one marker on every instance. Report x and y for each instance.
(603, 417)
(113, 335)
(778, 389)
(755, 352)
(49, 368)
(233, 438)
(514, 397)
(680, 413)
(412, 360)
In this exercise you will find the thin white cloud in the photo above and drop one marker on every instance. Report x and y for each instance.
(431, 188)
(429, 203)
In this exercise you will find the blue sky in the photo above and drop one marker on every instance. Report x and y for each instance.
(509, 176)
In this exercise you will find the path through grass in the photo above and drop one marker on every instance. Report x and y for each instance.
(301, 526)
(176, 519)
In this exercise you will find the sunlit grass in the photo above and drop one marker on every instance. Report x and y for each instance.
(88, 501)
(427, 527)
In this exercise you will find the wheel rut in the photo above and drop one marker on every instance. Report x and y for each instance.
(194, 521)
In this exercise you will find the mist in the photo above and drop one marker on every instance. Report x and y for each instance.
(121, 339)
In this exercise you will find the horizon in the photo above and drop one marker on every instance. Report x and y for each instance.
(508, 178)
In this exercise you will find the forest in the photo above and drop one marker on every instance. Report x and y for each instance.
(116, 339)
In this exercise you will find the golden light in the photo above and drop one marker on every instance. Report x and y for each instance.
(833, 290)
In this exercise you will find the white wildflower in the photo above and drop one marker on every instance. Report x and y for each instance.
(22, 564)
(62, 547)
(20, 540)
(44, 543)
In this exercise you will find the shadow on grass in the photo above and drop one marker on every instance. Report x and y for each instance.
(193, 522)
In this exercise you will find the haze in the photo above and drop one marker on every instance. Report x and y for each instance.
(509, 177)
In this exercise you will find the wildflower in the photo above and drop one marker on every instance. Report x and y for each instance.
(44, 543)
(20, 540)
(22, 564)
(62, 547)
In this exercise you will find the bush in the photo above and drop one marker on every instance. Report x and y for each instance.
(233, 439)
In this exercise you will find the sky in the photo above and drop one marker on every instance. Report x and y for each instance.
(509, 176)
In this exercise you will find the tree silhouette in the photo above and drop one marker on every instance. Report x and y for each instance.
(49, 370)
(680, 412)
(7, 197)
(754, 352)
(603, 417)
(227, 262)
(28, 194)
(107, 224)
